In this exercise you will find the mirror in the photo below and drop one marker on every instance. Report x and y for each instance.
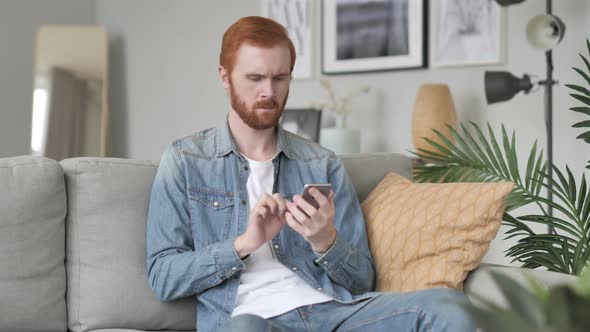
(70, 111)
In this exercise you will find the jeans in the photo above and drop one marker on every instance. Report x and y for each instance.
(426, 310)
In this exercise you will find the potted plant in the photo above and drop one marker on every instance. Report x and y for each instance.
(340, 139)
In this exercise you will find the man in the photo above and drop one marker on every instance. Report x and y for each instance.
(226, 222)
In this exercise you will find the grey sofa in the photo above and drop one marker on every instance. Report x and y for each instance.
(72, 244)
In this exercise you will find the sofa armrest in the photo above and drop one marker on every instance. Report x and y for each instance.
(480, 282)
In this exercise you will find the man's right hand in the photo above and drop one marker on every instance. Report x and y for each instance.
(265, 221)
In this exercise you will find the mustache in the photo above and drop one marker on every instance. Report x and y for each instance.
(266, 103)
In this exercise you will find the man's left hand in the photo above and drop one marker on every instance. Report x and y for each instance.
(315, 225)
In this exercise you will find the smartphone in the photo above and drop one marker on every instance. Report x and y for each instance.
(324, 188)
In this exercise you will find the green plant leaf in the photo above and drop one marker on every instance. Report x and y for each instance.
(581, 109)
(582, 98)
(498, 152)
(487, 146)
(579, 89)
(558, 313)
(581, 73)
(582, 124)
(555, 222)
(582, 286)
(584, 136)
(571, 186)
(530, 166)
(586, 63)
(540, 290)
(580, 256)
(510, 150)
(568, 311)
(521, 300)
(582, 199)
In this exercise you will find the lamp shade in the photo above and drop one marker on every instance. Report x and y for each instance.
(434, 109)
(544, 32)
(505, 3)
(502, 86)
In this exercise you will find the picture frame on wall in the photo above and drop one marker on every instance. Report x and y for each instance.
(303, 122)
(466, 33)
(295, 16)
(373, 35)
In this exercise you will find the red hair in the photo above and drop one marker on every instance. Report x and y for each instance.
(254, 30)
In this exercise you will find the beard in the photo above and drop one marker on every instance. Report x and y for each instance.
(253, 118)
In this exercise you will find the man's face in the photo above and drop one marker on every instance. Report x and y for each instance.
(259, 84)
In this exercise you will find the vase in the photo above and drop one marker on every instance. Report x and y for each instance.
(340, 139)
(434, 109)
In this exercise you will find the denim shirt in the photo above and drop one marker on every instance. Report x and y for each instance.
(199, 205)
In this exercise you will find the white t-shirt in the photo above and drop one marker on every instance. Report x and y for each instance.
(267, 287)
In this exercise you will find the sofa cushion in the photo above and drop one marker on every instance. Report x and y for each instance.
(425, 235)
(32, 242)
(106, 231)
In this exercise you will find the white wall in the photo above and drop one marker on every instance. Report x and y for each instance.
(19, 20)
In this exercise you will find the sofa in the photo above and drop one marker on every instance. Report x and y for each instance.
(72, 238)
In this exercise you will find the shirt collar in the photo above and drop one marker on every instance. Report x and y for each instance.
(226, 144)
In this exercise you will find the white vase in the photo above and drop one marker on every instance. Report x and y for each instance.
(341, 140)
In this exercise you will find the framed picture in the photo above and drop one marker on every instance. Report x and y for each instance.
(466, 32)
(303, 122)
(295, 16)
(373, 35)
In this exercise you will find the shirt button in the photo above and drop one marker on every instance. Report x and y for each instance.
(244, 202)
(276, 246)
(234, 268)
(319, 288)
(216, 204)
(325, 262)
(246, 168)
(294, 268)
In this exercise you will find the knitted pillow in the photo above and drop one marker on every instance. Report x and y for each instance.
(425, 235)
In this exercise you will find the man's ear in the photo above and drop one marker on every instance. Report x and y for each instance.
(224, 76)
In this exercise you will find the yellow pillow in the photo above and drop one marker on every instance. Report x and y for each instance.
(425, 235)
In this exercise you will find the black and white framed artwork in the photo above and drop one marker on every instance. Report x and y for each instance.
(295, 16)
(466, 32)
(373, 35)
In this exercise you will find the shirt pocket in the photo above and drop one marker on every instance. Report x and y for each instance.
(211, 214)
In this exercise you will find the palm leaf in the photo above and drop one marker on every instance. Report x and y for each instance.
(578, 88)
(581, 109)
(521, 300)
(477, 158)
(554, 308)
(582, 124)
(582, 95)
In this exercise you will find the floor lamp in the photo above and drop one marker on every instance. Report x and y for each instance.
(543, 32)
